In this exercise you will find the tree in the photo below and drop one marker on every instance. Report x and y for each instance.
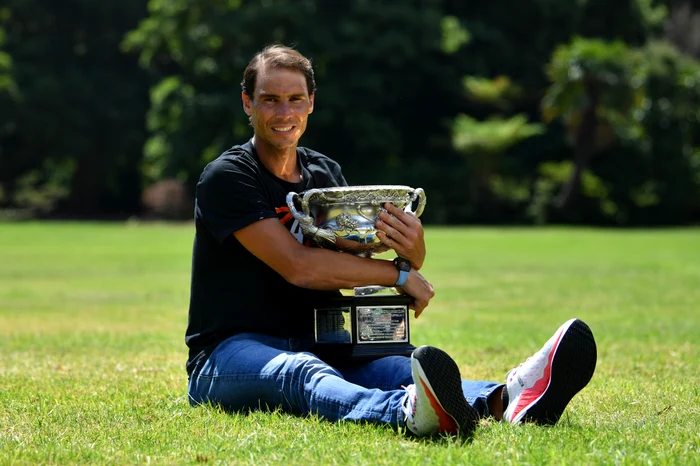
(598, 90)
(484, 143)
(662, 183)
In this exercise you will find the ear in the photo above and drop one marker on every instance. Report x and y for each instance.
(311, 101)
(247, 104)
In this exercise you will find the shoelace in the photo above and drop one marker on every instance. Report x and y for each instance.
(513, 372)
(408, 404)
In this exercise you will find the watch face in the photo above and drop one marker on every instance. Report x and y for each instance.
(402, 264)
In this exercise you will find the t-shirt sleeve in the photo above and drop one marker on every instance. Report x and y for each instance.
(337, 175)
(229, 197)
(326, 172)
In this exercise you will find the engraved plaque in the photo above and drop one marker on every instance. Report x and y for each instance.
(382, 324)
(333, 325)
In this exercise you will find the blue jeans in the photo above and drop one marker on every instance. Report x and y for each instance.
(255, 371)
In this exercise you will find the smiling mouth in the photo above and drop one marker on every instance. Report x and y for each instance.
(283, 129)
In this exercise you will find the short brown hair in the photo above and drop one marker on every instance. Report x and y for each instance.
(277, 56)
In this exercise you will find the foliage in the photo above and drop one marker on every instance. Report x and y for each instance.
(7, 84)
(597, 89)
(588, 69)
(520, 42)
(8, 95)
(82, 102)
(663, 187)
(38, 191)
(484, 143)
(392, 79)
(554, 175)
(499, 93)
(454, 35)
(492, 136)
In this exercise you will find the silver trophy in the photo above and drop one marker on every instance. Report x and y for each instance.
(366, 322)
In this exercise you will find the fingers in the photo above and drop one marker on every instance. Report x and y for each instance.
(400, 227)
(393, 210)
(397, 220)
(402, 232)
(389, 235)
(386, 239)
(418, 307)
(391, 242)
(421, 290)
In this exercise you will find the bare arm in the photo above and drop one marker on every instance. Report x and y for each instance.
(322, 269)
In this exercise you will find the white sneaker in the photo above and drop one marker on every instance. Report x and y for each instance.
(541, 387)
(435, 403)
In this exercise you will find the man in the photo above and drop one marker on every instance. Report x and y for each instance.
(253, 282)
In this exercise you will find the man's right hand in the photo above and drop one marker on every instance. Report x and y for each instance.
(420, 289)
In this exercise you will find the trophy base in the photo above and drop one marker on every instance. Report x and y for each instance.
(369, 324)
(334, 353)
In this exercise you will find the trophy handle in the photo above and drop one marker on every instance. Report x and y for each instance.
(419, 194)
(306, 222)
(305, 218)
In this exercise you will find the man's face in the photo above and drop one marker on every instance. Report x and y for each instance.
(280, 106)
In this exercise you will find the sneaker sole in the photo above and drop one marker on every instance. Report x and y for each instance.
(435, 364)
(572, 368)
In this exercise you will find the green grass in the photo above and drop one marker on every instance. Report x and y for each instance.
(92, 320)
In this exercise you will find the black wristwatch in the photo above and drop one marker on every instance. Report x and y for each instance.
(403, 266)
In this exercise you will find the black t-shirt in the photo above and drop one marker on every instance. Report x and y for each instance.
(231, 290)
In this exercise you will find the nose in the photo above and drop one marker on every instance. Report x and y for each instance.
(284, 108)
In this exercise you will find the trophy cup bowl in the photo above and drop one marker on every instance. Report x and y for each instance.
(366, 322)
(343, 218)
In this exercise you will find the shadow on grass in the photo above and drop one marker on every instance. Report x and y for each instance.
(277, 414)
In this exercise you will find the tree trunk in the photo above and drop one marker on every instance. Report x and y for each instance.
(584, 149)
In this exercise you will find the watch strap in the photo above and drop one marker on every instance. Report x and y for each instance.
(403, 278)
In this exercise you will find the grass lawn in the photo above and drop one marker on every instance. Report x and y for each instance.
(92, 321)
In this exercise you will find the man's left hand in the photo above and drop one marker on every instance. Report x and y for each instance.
(402, 232)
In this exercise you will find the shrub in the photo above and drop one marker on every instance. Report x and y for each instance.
(168, 200)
